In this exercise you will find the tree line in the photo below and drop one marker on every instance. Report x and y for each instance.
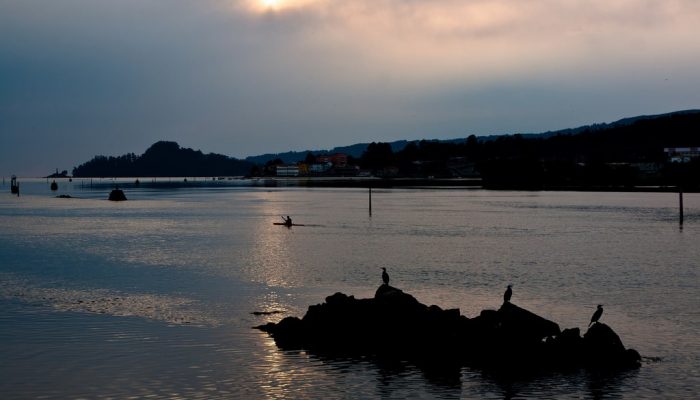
(166, 159)
(626, 155)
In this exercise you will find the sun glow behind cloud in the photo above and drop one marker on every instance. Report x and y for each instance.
(480, 40)
(267, 6)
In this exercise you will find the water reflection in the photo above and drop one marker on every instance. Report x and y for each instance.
(595, 385)
(608, 385)
(297, 374)
(157, 307)
(271, 263)
(272, 260)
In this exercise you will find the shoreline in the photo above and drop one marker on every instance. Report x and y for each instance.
(349, 182)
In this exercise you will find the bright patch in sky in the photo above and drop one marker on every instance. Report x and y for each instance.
(271, 3)
(283, 5)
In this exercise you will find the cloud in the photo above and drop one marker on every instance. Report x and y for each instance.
(426, 40)
(86, 77)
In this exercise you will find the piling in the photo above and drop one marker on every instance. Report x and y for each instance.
(680, 205)
(370, 201)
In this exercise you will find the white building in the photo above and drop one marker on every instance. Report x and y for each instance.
(287, 170)
(320, 168)
(682, 154)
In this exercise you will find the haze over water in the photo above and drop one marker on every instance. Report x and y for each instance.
(154, 296)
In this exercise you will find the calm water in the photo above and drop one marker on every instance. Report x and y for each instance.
(153, 296)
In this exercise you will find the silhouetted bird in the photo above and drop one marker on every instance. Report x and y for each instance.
(596, 314)
(508, 294)
(385, 276)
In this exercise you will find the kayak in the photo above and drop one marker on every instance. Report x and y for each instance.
(286, 224)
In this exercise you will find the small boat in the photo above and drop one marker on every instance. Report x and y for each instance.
(286, 224)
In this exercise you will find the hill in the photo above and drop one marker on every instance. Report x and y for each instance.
(290, 157)
(356, 150)
(164, 159)
(627, 153)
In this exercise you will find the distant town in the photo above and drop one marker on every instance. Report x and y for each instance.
(336, 165)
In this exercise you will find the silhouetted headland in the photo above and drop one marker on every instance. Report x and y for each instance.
(394, 324)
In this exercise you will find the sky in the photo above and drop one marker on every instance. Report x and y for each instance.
(80, 78)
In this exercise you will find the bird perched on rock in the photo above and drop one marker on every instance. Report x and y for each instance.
(508, 294)
(385, 276)
(596, 314)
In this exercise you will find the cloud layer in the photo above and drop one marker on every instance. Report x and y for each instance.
(86, 77)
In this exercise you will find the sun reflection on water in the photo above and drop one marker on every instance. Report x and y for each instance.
(272, 260)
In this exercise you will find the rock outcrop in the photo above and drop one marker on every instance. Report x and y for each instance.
(117, 195)
(395, 324)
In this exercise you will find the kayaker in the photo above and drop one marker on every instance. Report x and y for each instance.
(288, 221)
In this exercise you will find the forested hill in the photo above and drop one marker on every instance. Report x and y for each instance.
(164, 159)
(614, 128)
(291, 157)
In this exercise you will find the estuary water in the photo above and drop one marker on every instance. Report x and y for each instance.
(153, 297)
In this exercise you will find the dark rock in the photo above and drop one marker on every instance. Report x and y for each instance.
(391, 295)
(117, 195)
(603, 347)
(394, 324)
(524, 325)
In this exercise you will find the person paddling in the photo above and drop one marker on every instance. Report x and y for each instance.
(288, 220)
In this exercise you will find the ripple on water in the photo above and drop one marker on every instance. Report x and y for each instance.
(170, 309)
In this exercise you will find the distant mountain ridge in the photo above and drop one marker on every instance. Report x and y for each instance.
(599, 126)
(290, 157)
(356, 150)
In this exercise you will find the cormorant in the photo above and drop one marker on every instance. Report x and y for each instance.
(385, 276)
(596, 314)
(508, 294)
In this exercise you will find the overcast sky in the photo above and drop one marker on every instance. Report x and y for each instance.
(80, 78)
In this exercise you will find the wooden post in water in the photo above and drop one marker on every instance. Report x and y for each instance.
(370, 201)
(680, 204)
